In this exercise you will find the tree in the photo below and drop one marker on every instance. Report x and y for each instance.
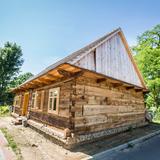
(147, 55)
(14, 83)
(10, 63)
(20, 79)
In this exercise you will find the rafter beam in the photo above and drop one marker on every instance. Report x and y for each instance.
(49, 75)
(99, 80)
(117, 85)
(127, 85)
(138, 89)
(68, 74)
(35, 83)
(43, 81)
(64, 73)
(77, 74)
(29, 85)
(113, 81)
(145, 90)
(130, 87)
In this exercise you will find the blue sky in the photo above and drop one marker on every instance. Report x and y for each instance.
(48, 30)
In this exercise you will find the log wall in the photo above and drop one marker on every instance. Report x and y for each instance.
(87, 106)
(62, 118)
(100, 106)
(18, 109)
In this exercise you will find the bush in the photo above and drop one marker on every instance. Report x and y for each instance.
(157, 116)
(4, 110)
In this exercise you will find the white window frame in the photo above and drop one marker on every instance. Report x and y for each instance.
(53, 97)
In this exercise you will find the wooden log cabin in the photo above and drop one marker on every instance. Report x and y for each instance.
(94, 92)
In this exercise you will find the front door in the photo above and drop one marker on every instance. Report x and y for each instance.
(25, 104)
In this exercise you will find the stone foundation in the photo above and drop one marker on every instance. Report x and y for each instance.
(60, 137)
(107, 132)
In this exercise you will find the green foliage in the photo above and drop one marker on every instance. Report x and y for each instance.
(153, 99)
(20, 79)
(147, 55)
(149, 62)
(4, 110)
(10, 63)
(156, 118)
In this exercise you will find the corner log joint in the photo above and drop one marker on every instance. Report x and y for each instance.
(131, 87)
(68, 74)
(100, 80)
(138, 89)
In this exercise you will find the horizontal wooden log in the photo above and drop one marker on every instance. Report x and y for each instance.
(50, 119)
(103, 126)
(98, 109)
(107, 118)
(18, 110)
(90, 120)
(111, 89)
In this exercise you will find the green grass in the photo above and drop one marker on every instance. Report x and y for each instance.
(156, 121)
(12, 143)
(4, 111)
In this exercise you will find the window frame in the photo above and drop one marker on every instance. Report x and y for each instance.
(35, 98)
(17, 101)
(53, 97)
(39, 106)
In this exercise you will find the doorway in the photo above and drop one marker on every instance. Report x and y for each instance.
(25, 104)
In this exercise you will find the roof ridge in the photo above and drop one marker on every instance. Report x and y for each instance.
(77, 52)
(74, 54)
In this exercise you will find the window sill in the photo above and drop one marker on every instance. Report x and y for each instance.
(53, 112)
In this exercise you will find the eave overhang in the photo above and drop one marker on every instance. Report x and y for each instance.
(67, 70)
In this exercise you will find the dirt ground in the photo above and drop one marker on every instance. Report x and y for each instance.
(34, 146)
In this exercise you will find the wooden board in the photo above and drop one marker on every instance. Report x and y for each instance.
(112, 59)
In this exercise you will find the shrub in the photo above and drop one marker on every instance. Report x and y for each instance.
(4, 110)
(157, 116)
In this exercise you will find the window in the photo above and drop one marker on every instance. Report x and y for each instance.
(53, 100)
(39, 100)
(33, 101)
(17, 101)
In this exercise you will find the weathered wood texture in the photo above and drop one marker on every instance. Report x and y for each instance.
(111, 59)
(63, 118)
(99, 106)
(87, 105)
(50, 119)
(18, 107)
(17, 110)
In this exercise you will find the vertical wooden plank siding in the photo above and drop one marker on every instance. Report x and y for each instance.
(112, 60)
